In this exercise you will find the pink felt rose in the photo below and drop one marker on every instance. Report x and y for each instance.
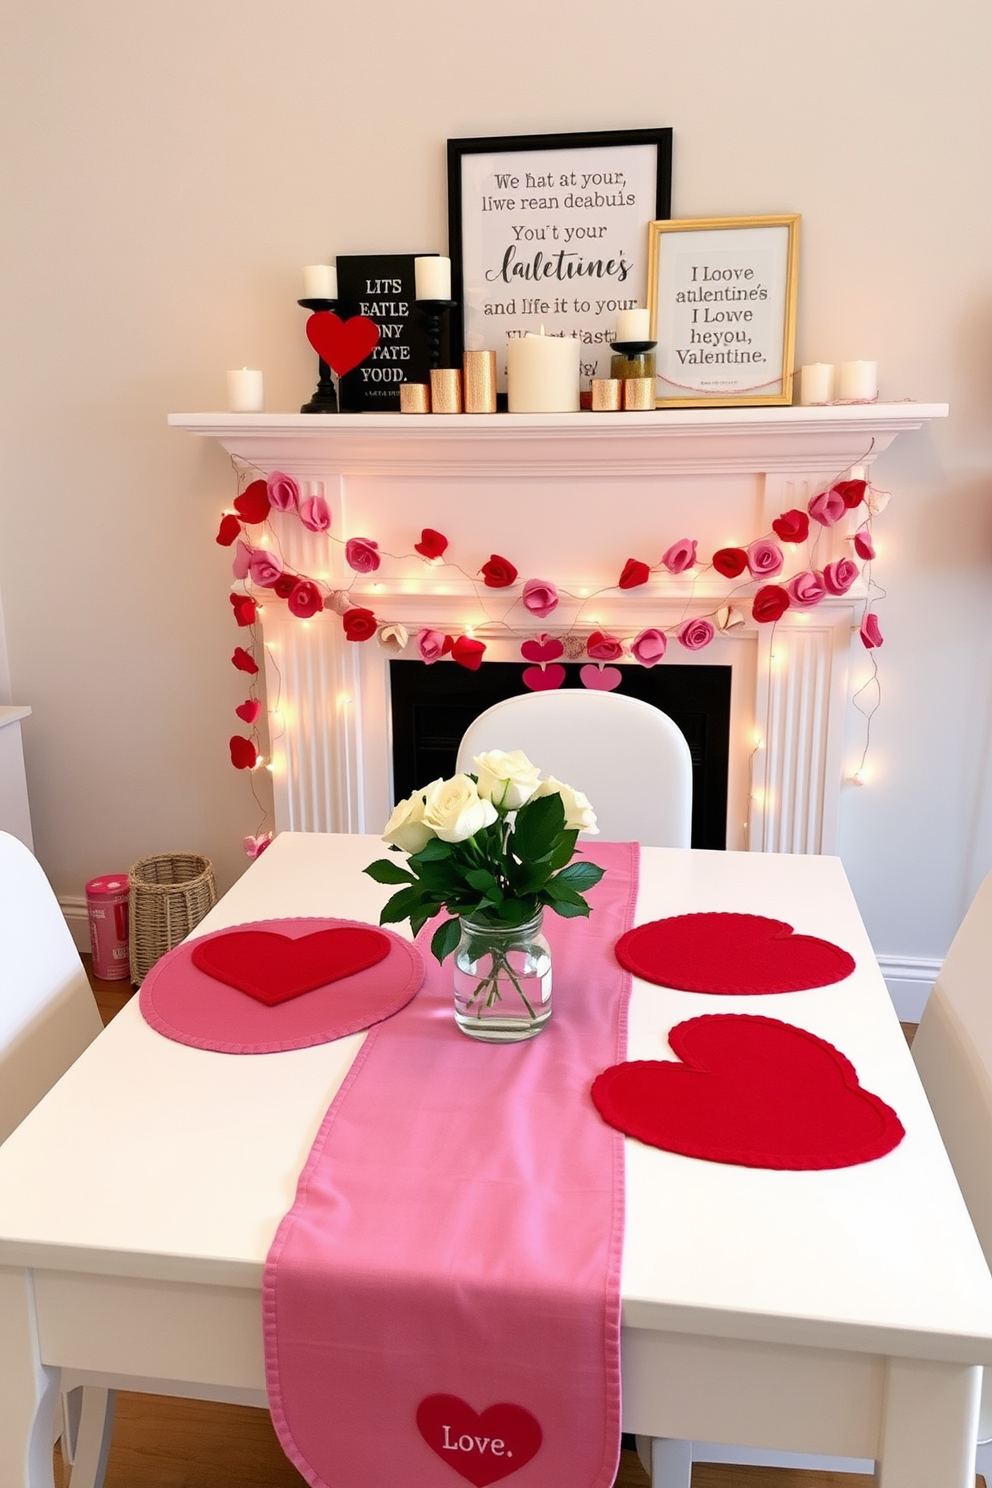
(305, 600)
(315, 514)
(265, 568)
(827, 508)
(283, 492)
(430, 644)
(863, 544)
(255, 844)
(649, 647)
(695, 634)
(362, 554)
(839, 576)
(764, 558)
(540, 597)
(242, 561)
(805, 589)
(603, 647)
(871, 636)
(680, 556)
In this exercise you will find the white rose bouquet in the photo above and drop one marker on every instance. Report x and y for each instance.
(495, 847)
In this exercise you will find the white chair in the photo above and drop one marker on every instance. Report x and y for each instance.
(47, 1018)
(629, 758)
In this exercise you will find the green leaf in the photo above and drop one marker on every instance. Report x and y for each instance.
(570, 911)
(432, 852)
(537, 827)
(385, 872)
(486, 883)
(563, 850)
(402, 905)
(562, 893)
(580, 875)
(445, 939)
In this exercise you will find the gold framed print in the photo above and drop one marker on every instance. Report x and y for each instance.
(722, 295)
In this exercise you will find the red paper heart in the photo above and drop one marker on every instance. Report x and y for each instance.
(548, 649)
(465, 1439)
(600, 679)
(249, 710)
(750, 1091)
(731, 954)
(544, 679)
(342, 344)
(252, 505)
(274, 968)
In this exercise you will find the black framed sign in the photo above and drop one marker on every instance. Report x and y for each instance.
(552, 230)
(381, 287)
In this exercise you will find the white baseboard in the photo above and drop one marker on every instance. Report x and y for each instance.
(73, 907)
(909, 979)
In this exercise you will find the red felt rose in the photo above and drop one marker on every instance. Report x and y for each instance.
(792, 526)
(603, 647)
(731, 562)
(253, 504)
(229, 530)
(432, 544)
(827, 508)
(634, 574)
(243, 661)
(769, 604)
(243, 752)
(285, 584)
(467, 652)
(839, 576)
(852, 492)
(305, 599)
(359, 624)
(498, 572)
(244, 608)
(871, 635)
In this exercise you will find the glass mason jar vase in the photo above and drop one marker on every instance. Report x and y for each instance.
(502, 981)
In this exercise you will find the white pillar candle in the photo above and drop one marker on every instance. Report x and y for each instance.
(633, 325)
(244, 391)
(542, 374)
(432, 278)
(857, 382)
(816, 383)
(320, 282)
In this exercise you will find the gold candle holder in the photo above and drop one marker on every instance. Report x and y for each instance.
(446, 390)
(638, 393)
(480, 381)
(415, 397)
(641, 365)
(607, 395)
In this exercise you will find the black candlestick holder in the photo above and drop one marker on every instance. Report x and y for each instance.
(434, 312)
(325, 399)
(632, 348)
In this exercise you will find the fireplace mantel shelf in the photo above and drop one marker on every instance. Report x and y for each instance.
(669, 441)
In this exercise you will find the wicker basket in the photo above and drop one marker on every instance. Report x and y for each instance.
(169, 894)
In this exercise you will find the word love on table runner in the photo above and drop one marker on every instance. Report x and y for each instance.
(481, 1446)
(751, 1091)
(274, 985)
(731, 954)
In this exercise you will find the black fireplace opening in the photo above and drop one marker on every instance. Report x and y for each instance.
(432, 706)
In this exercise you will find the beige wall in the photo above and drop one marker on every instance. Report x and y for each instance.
(169, 168)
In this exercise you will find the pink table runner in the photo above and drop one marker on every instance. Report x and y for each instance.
(443, 1298)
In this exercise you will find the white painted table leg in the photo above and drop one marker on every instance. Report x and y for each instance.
(929, 1425)
(93, 1434)
(28, 1392)
(668, 1460)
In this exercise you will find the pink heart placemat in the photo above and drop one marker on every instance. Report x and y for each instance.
(185, 1002)
(731, 954)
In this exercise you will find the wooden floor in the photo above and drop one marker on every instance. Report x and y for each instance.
(160, 1442)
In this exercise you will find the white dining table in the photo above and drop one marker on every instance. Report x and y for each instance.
(846, 1312)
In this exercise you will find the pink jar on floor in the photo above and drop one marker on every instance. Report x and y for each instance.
(106, 905)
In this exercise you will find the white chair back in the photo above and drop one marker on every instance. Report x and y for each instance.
(47, 1012)
(628, 757)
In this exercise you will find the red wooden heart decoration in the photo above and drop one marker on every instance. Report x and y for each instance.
(750, 1091)
(733, 954)
(481, 1446)
(547, 650)
(544, 679)
(342, 344)
(273, 968)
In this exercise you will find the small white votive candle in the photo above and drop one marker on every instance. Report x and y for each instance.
(542, 374)
(633, 325)
(816, 383)
(432, 278)
(320, 282)
(245, 393)
(857, 382)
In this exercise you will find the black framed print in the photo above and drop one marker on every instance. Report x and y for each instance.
(552, 230)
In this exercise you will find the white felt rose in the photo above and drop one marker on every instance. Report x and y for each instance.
(455, 811)
(507, 778)
(579, 815)
(406, 827)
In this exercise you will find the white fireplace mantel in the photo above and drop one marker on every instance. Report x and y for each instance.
(568, 498)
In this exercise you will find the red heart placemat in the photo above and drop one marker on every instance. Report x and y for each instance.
(190, 1005)
(729, 954)
(751, 1091)
(274, 968)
